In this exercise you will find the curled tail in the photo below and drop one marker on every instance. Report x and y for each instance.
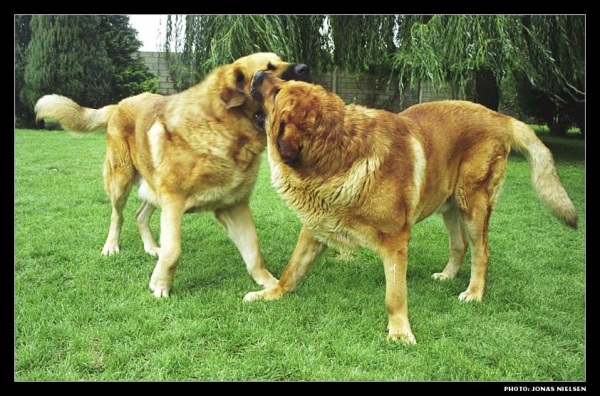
(72, 116)
(544, 176)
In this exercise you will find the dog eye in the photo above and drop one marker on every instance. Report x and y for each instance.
(239, 77)
(275, 92)
(270, 66)
(281, 128)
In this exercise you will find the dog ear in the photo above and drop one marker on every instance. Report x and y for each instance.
(289, 143)
(232, 97)
(233, 93)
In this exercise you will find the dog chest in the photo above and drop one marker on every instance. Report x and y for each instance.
(331, 224)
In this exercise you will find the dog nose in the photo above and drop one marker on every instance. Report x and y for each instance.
(258, 77)
(256, 82)
(301, 70)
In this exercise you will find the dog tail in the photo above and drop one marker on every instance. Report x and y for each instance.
(72, 116)
(544, 175)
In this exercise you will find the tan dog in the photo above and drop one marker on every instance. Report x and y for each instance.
(198, 150)
(362, 178)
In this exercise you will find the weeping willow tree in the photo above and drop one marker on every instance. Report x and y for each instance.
(556, 47)
(555, 55)
(363, 43)
(484, 49)
(474, 54)
(195, 44)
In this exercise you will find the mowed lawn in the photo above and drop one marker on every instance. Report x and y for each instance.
(80, 316)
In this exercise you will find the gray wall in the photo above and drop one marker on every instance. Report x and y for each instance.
(377, 93)
(157, 65)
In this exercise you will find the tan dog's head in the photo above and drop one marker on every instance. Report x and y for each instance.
(298, 115)
(237, 78)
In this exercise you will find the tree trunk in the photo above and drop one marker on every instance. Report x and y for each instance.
(486, 89)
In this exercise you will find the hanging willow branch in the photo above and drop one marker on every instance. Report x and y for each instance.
(556, 48)
(451, 48)
(363, 43)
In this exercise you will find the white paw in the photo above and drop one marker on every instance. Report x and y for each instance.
(408, 339)
(109, 250)
(466, 297)
(252, 296)
(160, 286)
(441, 276)
(159, 290)
(154, 251)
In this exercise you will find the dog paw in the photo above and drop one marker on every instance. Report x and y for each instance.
(160, 286)
(254, 296)
(271, 293)
(408, 339)
(159, 290)
(467, 296)
(109, 250)
(441, 276)
(154, 251)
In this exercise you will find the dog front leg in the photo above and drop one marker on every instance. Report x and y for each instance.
(307, 252)
(170, 247)
(240, 227)
(394, 254)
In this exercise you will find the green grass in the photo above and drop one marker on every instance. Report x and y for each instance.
(80, 316)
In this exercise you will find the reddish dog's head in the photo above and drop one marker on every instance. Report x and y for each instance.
(297, 113)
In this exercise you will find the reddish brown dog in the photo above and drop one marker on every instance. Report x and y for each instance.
(198, 150)
(362, 178)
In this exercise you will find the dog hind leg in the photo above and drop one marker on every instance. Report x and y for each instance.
(477, 233)
(478, 192)
(142, 217)
(118, 179)
(458, 244)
